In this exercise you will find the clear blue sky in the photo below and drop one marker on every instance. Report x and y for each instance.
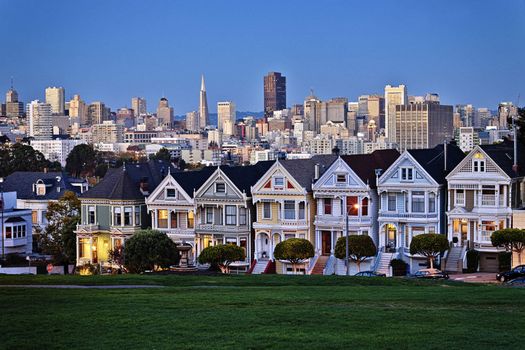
(467, 51)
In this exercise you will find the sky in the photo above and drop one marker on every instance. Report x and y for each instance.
(470, 51)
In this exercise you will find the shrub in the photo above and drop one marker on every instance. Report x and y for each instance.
(13, 259)
(504, 261)
(472, 260)
(221, 255)
(399, 267)
(430, 245)
(149, 250)
(360, 247)
(295, 250)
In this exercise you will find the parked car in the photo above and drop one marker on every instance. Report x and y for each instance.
(518, 271)
(517, 282)
(431, 274)
(369, 274)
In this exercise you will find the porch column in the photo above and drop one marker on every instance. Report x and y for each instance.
(505, 196)
(332, 238)
(224, 215)
(91, 249)
(78, 250)
(237, 213)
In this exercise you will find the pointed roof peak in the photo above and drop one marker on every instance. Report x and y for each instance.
(203, 87)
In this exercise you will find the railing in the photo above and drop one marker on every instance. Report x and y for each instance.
(485, 236)
(378, 258)
(311, 264)
(329, 269)
(222, 228)
(88, 227)
(252, 266)
(340, 220)
(408, 215)
(488, 199)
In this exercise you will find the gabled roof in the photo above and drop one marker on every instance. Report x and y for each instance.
(124, 183)
(433, 160)
(364, 165)
(303, 170)
(22, 183)
(503, 155)
(192, 180)
(244, 177)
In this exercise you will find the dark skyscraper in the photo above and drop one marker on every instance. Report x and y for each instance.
(274, 93)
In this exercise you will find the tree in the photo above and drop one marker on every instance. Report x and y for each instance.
(81, 160)
(163, 154)
(512, 239)
(222, 255)
(430, 245)
(59, 238)
(360, 247)
(116, 257)
(150, 250)
(20, 157)
(295, 250)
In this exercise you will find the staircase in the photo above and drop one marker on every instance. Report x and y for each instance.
(260, 266)
(383, 266)
(454, 262)
(320, 265)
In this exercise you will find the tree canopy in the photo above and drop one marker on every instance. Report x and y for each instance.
(222, 255)
(295, 250)
(149, 250)
(512, 239)
(430, 245)
(20, 157)
(163, 154)
(81, 161)
(360, 247)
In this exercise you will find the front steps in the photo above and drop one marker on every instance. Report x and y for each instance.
(320, 264)
(454, 263)
(260, 266)
(384, 263)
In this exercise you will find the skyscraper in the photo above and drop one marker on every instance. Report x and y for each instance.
(274, 93)
(312, 113)
(40, 120)
(78, 111)
(204, 118)
(138, 105)
(394, 95)
(376, 110)
(97, 113)
(13, 107)
(164, 113)
(55, 97)
(192, 122)
(225, 111)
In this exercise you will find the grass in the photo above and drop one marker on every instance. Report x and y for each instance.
(258, 312)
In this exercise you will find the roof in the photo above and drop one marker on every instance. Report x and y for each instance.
(503, 155)
(22, 182)
(433, 160)
(365, 165)
(303, 170)
(124, 183)
(244, 177)
(192, 180)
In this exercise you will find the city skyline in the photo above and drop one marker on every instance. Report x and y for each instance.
(470, 66)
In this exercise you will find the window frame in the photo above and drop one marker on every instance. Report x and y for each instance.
(221, 186)
(405, 172)
(289, 210)
(230, 217)
(269, 206)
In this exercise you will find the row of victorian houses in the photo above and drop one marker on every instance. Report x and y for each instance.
(389, 196)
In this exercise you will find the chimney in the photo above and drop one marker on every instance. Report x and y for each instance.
(317, 170)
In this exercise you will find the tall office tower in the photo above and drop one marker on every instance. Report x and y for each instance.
(376, 111)
(298, 109)
(55, 97)
(225, 111)
(97, 113)
(351, 117)
(40, 120)
(467, 115)
(312, 113)
(274, 93)
(506, 110)
(13, 107)
(422, 125)
(394, 95)
(192, 121)
(484, 117)
(204, 118)
(78, 111)
(334, 110)
(138, 105)
(164, 113)
(363, 106)
(11, 95)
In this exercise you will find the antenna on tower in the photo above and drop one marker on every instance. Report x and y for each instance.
(11, 82)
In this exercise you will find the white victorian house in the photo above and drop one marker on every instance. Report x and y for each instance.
(412, 193)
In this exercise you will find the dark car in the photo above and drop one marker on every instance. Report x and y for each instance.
(431, 274)
(517, 282)
(369, 274)
(518, 271)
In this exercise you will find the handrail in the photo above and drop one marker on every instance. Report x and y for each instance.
(377, 259)
(252, 266)
(329, 269)
(311, 264)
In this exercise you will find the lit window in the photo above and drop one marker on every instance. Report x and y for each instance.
(352, 206)
(162, 221)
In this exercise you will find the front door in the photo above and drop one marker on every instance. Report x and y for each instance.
(326, 242)
(464, 233)
(264, 246)
(390, 238)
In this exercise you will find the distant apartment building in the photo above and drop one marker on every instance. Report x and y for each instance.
(97, 113)
(394, 96)
(274, 93)
(40, 120)
(107, 132)
(466, 138)
(506, 110)
(192, 121)
(78, 111)
(138, 105)
(376, 110)
(312, 113)
(13, 107)
(55, 150)
(164, 112)
(225, 112)
(55, 97)
(139, 137)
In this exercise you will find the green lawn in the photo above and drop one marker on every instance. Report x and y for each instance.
(259, 312)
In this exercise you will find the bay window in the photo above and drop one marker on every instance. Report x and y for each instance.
(162, 220)
(174, 219)
(231, 215)
(302, 210)
(289, 210)
(352, 206)
(364, 207)
(128, 212)
(117, 216)
(392, 202)
(327, 206)
(242, 216)
(418, 202)
(267, 210)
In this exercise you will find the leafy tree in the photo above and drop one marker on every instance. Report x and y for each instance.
(163, 154)
(295, 250)
(116, 257)
(221, 255)
(59, 238)
(81, 160)
(20, 157)
(360, 247)
(512, 239)
(149, 250)
(430, 245)
(520, 125)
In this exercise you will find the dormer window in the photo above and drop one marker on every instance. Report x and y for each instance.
(220, 187)
(478, 166)
(340, 178)
(171, 193)
(407, 174)
(41, 190)
(278, 183)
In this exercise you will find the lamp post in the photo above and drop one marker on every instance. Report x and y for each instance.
(2, 215)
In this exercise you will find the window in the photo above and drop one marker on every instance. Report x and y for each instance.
(341, 178)
(278, 183)
(231, 215)
(327, 206)
(407, 174)
(174, 220)
(364, 207)
(171, 193)
(267, 210)
(488, 195)
(117, 216)
(191, 219)
(91, 214)
(289, 235)
(487, 228)
(128, 212)
(289, 210)
(8, 232)
(392, 202)
(41, 190)
(83, 247)
(431, 203)
(478, 166)
(34, 217)
(352, 206)
(418, 202)
(209, 215)
(162, 220)
(460, 197)
(301, 210)
(242, 216)
(137, 215)
(220, 187)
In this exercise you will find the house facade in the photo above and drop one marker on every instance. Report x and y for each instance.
(17, 227)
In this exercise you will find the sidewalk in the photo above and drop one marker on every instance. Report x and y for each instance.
(478, 277)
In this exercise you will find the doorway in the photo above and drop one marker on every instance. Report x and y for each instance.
(264, 246)
(391, 235)
(326, 242)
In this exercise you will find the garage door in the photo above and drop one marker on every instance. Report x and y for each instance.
(488, 263)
